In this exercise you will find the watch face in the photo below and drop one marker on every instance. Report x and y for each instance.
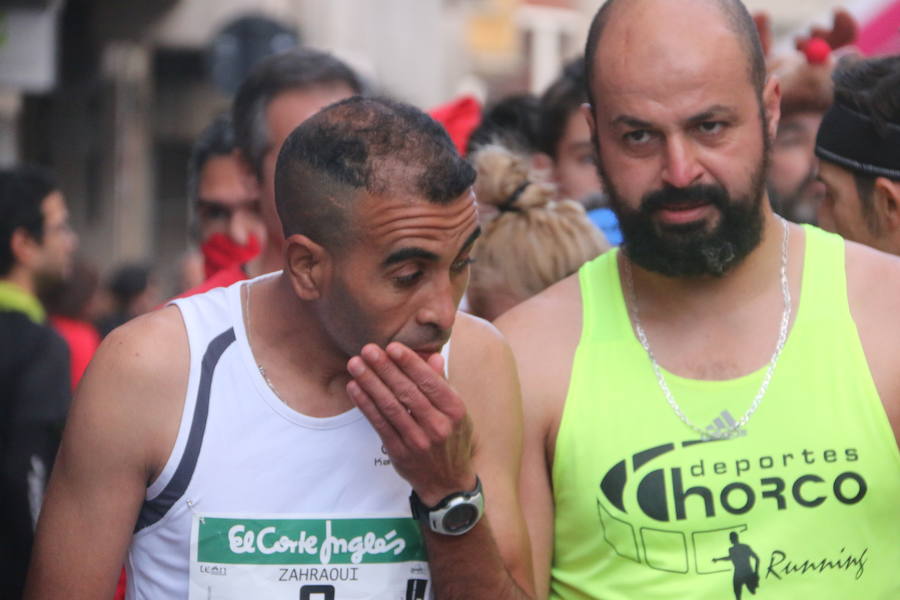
(459, 517)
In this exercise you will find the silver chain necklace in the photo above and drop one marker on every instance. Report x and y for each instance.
(733, 429)
(262, 371)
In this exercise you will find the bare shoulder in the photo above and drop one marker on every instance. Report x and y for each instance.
(873, 278)
(475, 339)
(482, 366)
(549, 321)
(543, 333)
(137, 382)
(147, 356)
(873, 290)
(144, 343)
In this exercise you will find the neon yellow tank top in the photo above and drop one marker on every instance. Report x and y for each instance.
(805, 504)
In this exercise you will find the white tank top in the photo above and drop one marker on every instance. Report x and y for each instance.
(260, 501)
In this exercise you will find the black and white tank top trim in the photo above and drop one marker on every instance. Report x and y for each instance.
(154, 510)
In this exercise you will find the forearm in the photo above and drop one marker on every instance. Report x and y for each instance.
(470, 567)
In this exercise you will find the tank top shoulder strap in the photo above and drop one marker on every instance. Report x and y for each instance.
(604, 313)
(824, 288)
(209, 322)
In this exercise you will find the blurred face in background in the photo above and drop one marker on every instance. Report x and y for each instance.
(228, 201)
(793, 187)
(53, 261)
(861, 211)
(574, 170)
(284, 113)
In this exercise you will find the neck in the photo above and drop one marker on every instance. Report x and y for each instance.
(308, 372)
(22, 278)
(757, 274)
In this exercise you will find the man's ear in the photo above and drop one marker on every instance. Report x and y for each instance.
(886, 202)
(772, 103)
(25, 248)
(308, 266)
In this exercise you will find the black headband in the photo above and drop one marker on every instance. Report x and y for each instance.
(849, 139)
(508, 205)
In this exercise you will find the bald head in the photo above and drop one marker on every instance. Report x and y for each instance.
(651, 23)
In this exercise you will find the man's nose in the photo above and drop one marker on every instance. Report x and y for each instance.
(681, 167)
(439, 309)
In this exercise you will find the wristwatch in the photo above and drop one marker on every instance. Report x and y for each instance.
(454, 515)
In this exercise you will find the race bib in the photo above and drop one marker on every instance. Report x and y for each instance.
(307, 558)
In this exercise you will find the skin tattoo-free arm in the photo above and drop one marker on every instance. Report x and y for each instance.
(123, 421)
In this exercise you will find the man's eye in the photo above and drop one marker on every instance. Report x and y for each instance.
(711, 127)
(407, 279)
(637, 137)
(213, 212)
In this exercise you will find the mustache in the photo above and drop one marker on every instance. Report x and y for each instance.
(668, 197)
(431, 335)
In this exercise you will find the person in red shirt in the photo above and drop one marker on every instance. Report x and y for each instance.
(225, 199)
(70, 304)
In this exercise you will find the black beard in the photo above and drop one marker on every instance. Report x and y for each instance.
(689, 250)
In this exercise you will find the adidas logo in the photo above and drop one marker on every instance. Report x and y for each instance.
(723, 424)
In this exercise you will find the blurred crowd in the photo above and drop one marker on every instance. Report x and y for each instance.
(541, 201)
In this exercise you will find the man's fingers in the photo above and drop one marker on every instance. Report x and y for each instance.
(388, 407)
(392, 440)
(433, 423)
(436, 362)
(425, 378)
(405, 389)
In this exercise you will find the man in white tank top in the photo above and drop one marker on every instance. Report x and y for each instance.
(268, 440)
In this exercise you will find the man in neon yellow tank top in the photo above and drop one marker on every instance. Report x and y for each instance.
(713, 411)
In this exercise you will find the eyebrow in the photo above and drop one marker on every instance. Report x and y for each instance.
(709, 113)
(218, 202)
(630, 121)
(413, 252)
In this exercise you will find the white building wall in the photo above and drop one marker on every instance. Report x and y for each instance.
(416, 49)
(400, 44)
(413, 49)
